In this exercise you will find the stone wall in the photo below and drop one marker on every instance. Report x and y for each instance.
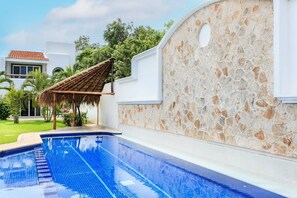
(224, 91)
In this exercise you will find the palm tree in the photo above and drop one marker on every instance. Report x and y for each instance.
(3, 79)
(59, 76)
(37, 82)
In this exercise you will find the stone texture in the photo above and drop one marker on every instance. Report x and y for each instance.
(222, 92)
(260, 135)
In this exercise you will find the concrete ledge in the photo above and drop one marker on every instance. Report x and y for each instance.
(271, 172)
(26, 140)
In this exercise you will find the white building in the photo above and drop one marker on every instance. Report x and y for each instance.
(18, 64)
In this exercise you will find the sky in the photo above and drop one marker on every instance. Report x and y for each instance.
(28, 24)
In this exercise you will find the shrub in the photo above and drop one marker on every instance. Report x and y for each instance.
(4, 110)
(79, 120)
(67, 119)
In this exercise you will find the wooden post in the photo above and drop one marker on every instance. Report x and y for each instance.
(98, 114)
(73, 111)
(112, 78)
(55, 114)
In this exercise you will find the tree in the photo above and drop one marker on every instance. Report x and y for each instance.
(168, 25)
(143, 38)
(117, 32)
(14, 100)
(38, 81)
(4, 110)
(124, 42)
(3, 79)
(83, 42)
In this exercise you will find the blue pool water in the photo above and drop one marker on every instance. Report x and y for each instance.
(107, 166)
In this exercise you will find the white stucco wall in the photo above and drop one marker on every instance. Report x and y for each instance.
(109, 107)
(285, 51)
(59, 55)
(2, 64)
(143, 86)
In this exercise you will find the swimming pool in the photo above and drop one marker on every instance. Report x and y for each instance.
(108, 166)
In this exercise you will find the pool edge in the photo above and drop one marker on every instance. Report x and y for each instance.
(30, 140)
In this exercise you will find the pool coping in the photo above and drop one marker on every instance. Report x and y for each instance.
(30, 140)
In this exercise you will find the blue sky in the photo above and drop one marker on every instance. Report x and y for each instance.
(27, 25)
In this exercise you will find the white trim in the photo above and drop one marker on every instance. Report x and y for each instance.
(276, 46)
(177, 24)
(25, 61)
(146, 102)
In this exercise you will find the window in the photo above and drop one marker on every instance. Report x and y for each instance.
(57, 69)
(204, 35)
(22, 70)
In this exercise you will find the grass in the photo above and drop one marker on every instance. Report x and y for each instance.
(9, 132)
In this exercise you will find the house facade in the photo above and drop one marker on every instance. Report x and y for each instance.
(19, 63)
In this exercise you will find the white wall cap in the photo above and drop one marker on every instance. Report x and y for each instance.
(25, 61)
(178, 23)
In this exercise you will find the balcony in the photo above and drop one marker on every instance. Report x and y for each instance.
(18, 75)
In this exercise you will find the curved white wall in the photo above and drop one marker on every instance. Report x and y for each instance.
(142, 87)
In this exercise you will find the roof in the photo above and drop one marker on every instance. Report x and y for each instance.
(91, 80)
(28, 55)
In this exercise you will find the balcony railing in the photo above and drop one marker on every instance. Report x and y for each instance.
(18, 75)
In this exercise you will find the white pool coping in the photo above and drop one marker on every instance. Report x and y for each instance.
(26, 140)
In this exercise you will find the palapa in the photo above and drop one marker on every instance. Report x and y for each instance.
(84, 87)
(87, 86)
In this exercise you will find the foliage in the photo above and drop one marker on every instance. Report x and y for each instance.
(14, 101)
(67, 119)
(117, 32)
(9, 132)
(90, 57)
(47, 113)
(83, 42)
(59, 76)
(123, 42)
(3, 79)
(168, 25)
(80, 120)
(4, 110)
(37, 82)
(142, 39)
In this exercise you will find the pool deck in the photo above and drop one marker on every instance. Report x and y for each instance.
(26, 140)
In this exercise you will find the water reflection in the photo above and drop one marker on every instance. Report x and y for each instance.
(18, 175)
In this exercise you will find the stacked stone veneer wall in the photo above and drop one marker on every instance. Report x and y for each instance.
(224, 91)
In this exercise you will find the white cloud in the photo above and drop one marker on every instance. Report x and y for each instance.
(88, 17)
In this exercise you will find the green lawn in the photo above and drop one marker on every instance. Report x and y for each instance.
(9, 132)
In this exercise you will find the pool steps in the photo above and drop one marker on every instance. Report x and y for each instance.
(44, 175)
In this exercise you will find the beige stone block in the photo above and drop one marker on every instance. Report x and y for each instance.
(280, 149)
(278, 129)
(197, 124)
(260, 135)
(261, 103)
(215, 100)
(269, 113)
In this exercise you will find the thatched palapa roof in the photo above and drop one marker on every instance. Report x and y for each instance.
(84, 87)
